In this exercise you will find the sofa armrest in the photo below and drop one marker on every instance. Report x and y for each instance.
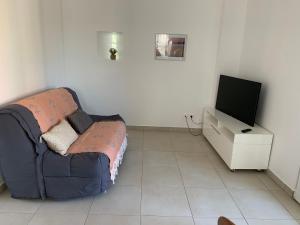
(75, 175)
(98, 118)
(75, 165)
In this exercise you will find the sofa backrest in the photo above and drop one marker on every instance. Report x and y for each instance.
(50, 107)
(21, 127)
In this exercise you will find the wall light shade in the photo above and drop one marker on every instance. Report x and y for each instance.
(109, 45)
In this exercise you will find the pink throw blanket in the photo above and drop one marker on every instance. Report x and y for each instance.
(102, 137)
(50, 107)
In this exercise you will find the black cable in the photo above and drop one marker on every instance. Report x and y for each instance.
(192, 119)
(190, 130)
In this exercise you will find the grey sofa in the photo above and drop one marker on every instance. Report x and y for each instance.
(31, 170)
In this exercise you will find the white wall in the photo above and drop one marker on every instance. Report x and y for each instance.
(260, 41)
(271, 55)
(232, 36)
(231, 39)
(143, 90)
(21, 56)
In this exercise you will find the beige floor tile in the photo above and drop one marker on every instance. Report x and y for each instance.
(203, 178)
(242, 180)
(112, 220)
(15, 218)
(161, 175)
(8, 204)
(157, 141)
(188, 146)
(132, 133)
(157, 134)
(156, 220)
(185, 138)
(207, 145)
(134, 144)
(129, 174)
(120, 200)
(135, 140)
(193, 161)
(130, 171)
(161, 147)
(289, 203)
(217, 161)
(206, 142)
(191, 155)
(152, 138)
(164, 201)
(214, 221)
(269, 183)
(271, 222)
(155, 158)
(58, 219)
(76, 206)
(207, 203)
(158, 145)
(132, 157)
(259, 204)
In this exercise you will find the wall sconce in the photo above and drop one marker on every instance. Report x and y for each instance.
(109, 45)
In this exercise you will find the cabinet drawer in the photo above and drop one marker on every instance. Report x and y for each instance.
(221, 144)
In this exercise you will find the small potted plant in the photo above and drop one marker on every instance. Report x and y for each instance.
(113, 53)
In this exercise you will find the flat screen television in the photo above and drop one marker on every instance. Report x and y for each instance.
(238, 98)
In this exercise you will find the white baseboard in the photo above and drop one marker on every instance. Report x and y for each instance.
(279, 182)
(175, 129)
(297, 191)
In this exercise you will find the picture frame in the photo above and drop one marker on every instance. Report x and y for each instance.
(170, 46)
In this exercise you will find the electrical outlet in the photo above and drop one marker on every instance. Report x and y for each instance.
(189, 115)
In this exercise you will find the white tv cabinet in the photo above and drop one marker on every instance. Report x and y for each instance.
(238, 150)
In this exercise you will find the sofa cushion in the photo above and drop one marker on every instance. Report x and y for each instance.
(50, 107)
(80, 121)
(60, 137)
(103, 137)
(77, 165)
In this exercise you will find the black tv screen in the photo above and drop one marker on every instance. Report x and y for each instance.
(238, 98)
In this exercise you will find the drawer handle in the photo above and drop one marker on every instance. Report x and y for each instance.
(215, 129)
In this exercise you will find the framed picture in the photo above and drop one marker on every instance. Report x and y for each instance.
(170, 46)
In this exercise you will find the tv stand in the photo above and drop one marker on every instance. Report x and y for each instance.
(238, 150)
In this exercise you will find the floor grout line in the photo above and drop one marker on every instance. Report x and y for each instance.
(146, 215)
(35, 213)
(89, 210)
(231, 196)
(186, 194)
(142, 176)
(31, 218)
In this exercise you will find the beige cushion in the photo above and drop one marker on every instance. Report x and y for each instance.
(60, 137)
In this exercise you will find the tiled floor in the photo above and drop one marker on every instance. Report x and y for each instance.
(167, 178)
